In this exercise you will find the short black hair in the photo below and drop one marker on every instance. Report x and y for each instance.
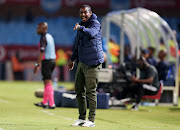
(89, 7)
(151, 48)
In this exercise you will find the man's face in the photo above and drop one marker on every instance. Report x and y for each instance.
(140, 64)
(85, 14)
(161, 54)
(150, 51)
(39, 29)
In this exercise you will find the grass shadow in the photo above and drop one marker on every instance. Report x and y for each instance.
(174, 109)
(109, 121)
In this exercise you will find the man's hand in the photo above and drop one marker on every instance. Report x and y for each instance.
(70, 65)
(134, 79)
(35, 69)
(77, 26)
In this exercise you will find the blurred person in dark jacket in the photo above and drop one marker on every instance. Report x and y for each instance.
(151, 59)
(89, 53)
(162, 65)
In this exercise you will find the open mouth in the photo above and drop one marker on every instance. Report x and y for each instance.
(83, 18)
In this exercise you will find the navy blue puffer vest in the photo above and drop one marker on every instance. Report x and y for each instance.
(88, 43)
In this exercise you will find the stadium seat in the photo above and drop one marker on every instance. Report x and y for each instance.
(156, 97)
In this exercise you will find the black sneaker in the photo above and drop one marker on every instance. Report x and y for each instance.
(135, 108)
(49, 107)
(40, 104)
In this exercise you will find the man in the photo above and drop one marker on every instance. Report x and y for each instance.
(47, 60)
(162, 66)
(89, 53)
(151, 59)
(147, 84)
(145, 53)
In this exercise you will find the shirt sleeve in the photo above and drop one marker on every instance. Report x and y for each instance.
(94, 29)
(43, 43)
(150, 73)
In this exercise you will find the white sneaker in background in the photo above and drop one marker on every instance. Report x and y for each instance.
(135, 108)
(88, 124)
(78, 122)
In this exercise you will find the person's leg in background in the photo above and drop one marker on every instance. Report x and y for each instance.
(45, 96)
(48, 84)
(139, 91)
(49, 92)
(130, 89)
(47, 69)
(135, 90)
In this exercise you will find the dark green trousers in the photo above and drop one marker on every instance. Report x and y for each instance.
(85, 85)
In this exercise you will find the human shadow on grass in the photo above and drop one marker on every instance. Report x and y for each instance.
(174, 109)
(109, 121)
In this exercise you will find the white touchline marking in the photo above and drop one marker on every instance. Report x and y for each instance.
(66, 118)
(5, 101)
(52, 114)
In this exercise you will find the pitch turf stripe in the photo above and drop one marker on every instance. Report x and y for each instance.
(52, 114)
(5, 101)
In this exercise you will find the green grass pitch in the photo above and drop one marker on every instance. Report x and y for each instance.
(17, 112)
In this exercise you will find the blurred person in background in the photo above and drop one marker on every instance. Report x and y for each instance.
(114, 50)
(127, 54)
(172, 47)
(46, 60)
(88, 50)
(162, 65)
(17, 66)
(145, 53)
(61, 61)
(162, 44)
(151, 59)
(105, 51)
(147, 84)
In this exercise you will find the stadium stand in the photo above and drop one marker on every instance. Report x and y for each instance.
(20, 32)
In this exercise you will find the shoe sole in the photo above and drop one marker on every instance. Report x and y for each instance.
(40, 105)
(48, 108)
(78, 125)
(89, 126)
(133, 110)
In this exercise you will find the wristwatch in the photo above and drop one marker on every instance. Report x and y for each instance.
(36, 64)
